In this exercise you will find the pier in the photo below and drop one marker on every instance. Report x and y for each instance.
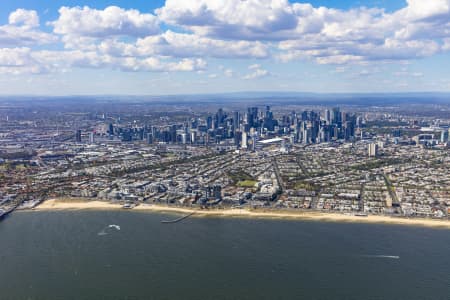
(178, 220)
(5, 213)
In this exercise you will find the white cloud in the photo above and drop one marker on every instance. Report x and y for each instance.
(423, 10)
(22, 30)
(26, 18)
(171, 44)
(236, 19)
(257, 73)
(18, 61)
(323, 34)
(25, 61)
(405, 73)
(254, 66)
(130, 40)
(14, 57)
(229, 73)
(189, 45)
(112, 21)
(446, 46)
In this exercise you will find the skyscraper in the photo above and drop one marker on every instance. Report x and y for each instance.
(236, 120)
(373, 149)
(244, 140)
(328, 116)
(445, 136)
(78, 136)
(252, 116)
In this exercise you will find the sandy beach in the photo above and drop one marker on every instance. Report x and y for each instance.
(80, 204)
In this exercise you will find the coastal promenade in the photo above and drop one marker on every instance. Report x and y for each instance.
(79, 204)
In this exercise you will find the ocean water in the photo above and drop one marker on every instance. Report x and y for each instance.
(78, 255)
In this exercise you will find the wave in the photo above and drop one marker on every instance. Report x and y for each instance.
(382, 256)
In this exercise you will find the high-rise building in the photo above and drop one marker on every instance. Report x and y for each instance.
(236, 120)
(373, 149)
(220, 117)
(150, 138)
(252, 116)
(193, 137)
(183, 138)
(445, 136)
(328, 116)
(173, 133)
(209, 122)
(111, 129)
(78, 136)
(336, 116)
(244, 140)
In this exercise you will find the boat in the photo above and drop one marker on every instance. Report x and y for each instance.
(361, 215)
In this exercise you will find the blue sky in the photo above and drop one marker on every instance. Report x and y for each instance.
(202, 46)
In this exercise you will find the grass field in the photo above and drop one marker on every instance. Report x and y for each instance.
(246, 183)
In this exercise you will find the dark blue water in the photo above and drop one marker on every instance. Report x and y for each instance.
(60, 255)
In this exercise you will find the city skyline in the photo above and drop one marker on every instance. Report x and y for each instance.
(191, 47)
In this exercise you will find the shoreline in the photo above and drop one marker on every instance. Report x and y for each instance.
(81, 204)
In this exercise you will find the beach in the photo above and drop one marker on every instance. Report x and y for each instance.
(81, 204)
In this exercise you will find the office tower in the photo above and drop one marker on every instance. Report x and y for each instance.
(254, 139)
(150, 138)
(244, 140)
(336, 116)
(268, 115)
(359, 121)
(445, 136)
(209, 122)
(328, 116)
(127, 136)
(219, 117)
(91, 137)
(236, 120)
(349, 130)
(238, 138)
(183, 138)
(305, 116)
(315, 127)
(111, 129)
(252, 116)
(173, 133)
(373, 149)
(194, 123)
(78, 136)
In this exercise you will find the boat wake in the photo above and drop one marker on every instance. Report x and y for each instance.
(382, 256)
(114, 226)
(105, 230)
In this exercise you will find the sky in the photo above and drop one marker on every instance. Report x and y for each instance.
(87, 47)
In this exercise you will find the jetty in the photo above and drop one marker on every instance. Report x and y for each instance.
(178, 219)
(5, 213)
